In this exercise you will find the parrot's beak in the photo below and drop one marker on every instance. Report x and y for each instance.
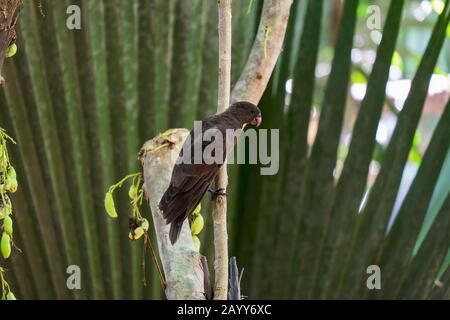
(256, 121)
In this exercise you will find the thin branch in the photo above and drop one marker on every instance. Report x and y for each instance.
(264, 55)
(148, 244)
(221, 181)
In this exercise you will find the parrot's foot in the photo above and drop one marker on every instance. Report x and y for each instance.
(216, 193)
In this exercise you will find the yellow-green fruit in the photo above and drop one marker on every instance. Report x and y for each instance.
(12, 50)
(136, 234)
(8, 225)
(132, 193)
(144, 224)
(11, 184)
(198, 210)
(110, 206)
(10, 296)
(5, 245)
(11, 172)
(197, 225)
(196, 242)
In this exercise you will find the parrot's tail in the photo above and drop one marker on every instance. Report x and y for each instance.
(172, 214)
(177, 206)
(175, 230)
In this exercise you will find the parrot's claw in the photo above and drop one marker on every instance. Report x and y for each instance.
(216, 193)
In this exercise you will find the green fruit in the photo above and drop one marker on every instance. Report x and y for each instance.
(11, 172)
(110, 206)
(12, 50)
(145, 225)
(5, 245)
(197, 225)
(8, 225)
(132, 193)
(196, 242)
(11, 184)
(10, 296)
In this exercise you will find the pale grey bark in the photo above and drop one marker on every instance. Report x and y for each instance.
(181, 262)
(265, 51)
(221, 181)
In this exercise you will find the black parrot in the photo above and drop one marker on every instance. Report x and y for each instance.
(190, 181)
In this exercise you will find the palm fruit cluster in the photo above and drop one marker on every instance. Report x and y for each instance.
(137, 224)
(8, 185)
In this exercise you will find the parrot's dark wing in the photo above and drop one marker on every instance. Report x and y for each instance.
(182, 197)
(187, 187)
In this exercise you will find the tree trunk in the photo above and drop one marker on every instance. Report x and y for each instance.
(181, 262)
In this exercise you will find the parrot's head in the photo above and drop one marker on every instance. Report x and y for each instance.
(246, 112)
